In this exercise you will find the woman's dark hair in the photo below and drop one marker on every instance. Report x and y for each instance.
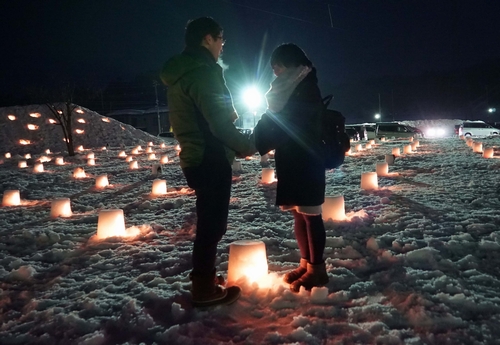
(197, 29)
(289, 55)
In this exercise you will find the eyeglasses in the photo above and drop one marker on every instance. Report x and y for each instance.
(222, 39)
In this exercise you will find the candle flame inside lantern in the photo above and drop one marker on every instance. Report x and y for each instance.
(38, 168)
(477, 147)
(32, 127)
(159, 187)
(60, 208)
(382, 168)
(122, 154)
(105, 119)
(79, 173)
(8, 155)
(134, 165)
(101, 181)
(488, 152)
(36, 115)
(24, 142)
(333, 208)
(52, 121)
(22, 164)
(80, 121)
(268, 175)
(11, 117)
(11, 198)
(79, 131)
(59, 161)
(369, 180)
(110, 223)
(248, 260)
(164, 159)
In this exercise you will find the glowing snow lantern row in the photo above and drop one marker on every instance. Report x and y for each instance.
(159, 187)
(488, 152)
(477, 147)
(333, 208)
(267, 175)
(407, 149)
(247, 259)
(122, 154)
(60, 208)
(38, 168)
(369, 180)
(59, 161)
(382, 168)
(134, 165)
(8, 155)
(396, 151)
(11, 198)
(164, 159)
(79, 173)
(22, 164)
(101, 181)
(110, 223)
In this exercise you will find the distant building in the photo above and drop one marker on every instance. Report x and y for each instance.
(146, 120)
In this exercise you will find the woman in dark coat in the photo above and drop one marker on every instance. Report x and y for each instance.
(292, 126)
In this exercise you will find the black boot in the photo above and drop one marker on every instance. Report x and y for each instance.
(292, 276)
(315, 276)
(206, 293)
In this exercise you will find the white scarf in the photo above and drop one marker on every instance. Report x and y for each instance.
(283, 86)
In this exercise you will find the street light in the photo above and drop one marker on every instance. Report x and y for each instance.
(492, 110)
(377, 116)
(253, 99)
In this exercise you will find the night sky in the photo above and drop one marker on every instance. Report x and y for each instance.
(94, 42)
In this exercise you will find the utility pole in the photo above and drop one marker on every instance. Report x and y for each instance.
(155, 84)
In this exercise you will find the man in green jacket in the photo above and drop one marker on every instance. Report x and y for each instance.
(202, 116)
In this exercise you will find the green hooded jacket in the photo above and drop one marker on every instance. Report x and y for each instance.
(201, 108)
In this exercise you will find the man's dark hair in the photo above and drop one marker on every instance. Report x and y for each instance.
(289, 55)
(197, 29)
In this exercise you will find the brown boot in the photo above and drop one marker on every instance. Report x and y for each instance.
(206, 293)
(315, 276)
(292, 276)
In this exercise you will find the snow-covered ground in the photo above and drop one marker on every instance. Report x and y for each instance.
(416, 262)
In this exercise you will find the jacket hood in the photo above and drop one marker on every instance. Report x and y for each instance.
(190, 59)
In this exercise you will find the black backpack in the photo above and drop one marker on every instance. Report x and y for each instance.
(333, 136)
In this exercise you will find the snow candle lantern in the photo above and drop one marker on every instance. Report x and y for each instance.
(60, 208)
(411, 139)
(47, 151)
(90, 155)
(414, 146)
(8, 155)
(488, 152)
(477, 147)
(11, 198)
(149, 149)
(59, 161)
(372, 142)
(27, 156)
(348, 152)
(159, 187)
(135, 151)
(38, 168)
(407, 149)
(396, 151)
(469, 142)
(122, 154)
(110, 223)
(79, 173)
(151, 157)
(150, 143)
(247, 259)
(359, 147)
(416, 143)
(129, 159)
(369, 180)
(382, 139)
(164, 159)
(101, 181)
(80, 148)
(333, 208)
(267, 175)
(382, 168)
(368, 146)
(162, 145)
(22, 164)
(133, 165)
(91, 161)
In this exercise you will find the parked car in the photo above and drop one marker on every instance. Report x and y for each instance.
(246, 131)
(397, 130)
(361, 129)
(477, 128)
(168, 137)
(352, 133)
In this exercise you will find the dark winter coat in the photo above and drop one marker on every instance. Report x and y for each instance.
(201, 109)
(300, 167)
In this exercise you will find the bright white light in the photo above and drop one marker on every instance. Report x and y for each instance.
(252, 97)
(377, 116)
(435, 132)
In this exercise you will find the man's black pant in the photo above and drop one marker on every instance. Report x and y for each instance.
(212, 184)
